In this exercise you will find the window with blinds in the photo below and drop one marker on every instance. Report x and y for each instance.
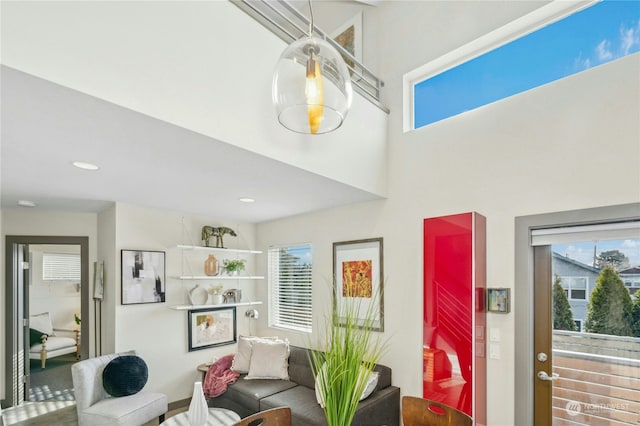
(60, 266)
(290, 270)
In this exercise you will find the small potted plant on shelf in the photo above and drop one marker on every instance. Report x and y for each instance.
(216, 294)
(234, 266)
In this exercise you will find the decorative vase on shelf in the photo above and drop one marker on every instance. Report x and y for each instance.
(198, 409)
(217, 299)
(198, 295)
(211, 266)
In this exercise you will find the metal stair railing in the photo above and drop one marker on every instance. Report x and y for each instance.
(289, 24)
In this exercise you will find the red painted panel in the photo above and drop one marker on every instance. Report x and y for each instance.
(453, 311)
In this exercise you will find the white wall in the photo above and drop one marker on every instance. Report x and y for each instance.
(549, 149)
(156, 331)
(33, 222)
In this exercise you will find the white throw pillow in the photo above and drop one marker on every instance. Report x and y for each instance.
(269, 360)
(42, 323)
(243, 355)
(372, 382)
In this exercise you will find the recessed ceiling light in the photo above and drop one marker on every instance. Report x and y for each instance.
(26, 203)
(85, 166)
(247, 200)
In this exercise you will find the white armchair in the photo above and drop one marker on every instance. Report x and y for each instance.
(51, 342)
(96, 407)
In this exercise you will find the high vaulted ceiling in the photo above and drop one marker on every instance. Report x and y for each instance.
(172, 101)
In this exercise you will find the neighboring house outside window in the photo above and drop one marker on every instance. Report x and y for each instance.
(290, 289)
(578, 280)
(631, 279)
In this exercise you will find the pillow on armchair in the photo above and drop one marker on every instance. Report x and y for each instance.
(35, 336)
(41, 322)
(39, 325)
(125, 375)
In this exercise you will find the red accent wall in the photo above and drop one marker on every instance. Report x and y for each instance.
(454, 367)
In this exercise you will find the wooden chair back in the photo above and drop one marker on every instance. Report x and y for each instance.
(274, 417)
(424, 412)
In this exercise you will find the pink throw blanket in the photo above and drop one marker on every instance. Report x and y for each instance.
(219, 376)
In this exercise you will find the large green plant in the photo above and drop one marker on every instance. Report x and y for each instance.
(610, 308)
(345, 358)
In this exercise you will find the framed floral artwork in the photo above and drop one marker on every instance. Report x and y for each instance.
(358, 272)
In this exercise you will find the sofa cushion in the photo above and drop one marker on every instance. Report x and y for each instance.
(125, 375)
(304, 407)
(242, 357)
(300, 367)
(54, 343)
(369, 387)
(249, 392)
(269, 360)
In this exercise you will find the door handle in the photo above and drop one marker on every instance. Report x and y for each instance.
(542, 375)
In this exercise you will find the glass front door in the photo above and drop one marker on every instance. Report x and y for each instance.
(587, 331)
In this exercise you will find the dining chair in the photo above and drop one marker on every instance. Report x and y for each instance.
(280, 416)
(424, 412)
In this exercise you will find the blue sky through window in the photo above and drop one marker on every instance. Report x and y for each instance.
(583, 251)
(601, 33)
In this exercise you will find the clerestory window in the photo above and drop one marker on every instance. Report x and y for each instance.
(535, 50)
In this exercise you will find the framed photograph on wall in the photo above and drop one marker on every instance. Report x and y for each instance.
(211, 327)
(358, 272)
(498, 300)
(143, 277)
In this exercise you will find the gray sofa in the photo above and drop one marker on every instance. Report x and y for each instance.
(246, 397)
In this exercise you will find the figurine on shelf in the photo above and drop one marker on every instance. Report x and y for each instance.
(218, 232)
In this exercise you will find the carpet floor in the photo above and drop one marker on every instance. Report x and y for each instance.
(52, 383)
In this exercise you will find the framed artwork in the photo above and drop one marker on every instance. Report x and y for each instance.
(143, 277)
(98, 280)
(211, 327)
(358, 272)
(349, 36)
(498, 300)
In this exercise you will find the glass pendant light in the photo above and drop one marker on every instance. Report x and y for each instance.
(311, 86)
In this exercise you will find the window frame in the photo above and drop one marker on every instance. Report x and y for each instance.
(539, 18)
(275, 317)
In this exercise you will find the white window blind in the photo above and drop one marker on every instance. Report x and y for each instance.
(290, 270)
(60, 266)
(605, 231)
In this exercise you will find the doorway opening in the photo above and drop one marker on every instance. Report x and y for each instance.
(58, 299)
(537, 377)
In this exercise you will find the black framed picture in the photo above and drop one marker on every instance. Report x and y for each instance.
(209, 327)
(143, 276)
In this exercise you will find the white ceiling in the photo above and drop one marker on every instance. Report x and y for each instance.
(142, 161)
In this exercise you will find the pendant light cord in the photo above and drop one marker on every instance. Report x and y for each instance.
(311, 21)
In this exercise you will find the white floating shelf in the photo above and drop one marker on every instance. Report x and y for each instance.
(228, 250)
(218, 277)
(220, 305)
